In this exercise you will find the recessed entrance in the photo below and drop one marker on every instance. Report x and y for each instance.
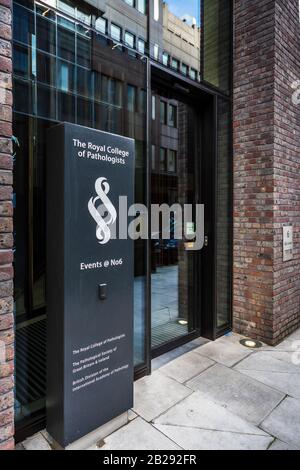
(175, 180)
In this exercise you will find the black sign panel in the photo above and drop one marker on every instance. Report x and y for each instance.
(89, 281)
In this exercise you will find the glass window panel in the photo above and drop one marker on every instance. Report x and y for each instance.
(84, 82)
(101, 25)
(129, 39)
(156, 51)
(175, 27)
(23, 96)
(27, 3)
(84, 17)
(45, 35)
(67, 6)
(166, 59)
(21, 132)
(21, 61)
(97, 86)
(84, 112)
(65, 76)
(141, 46)
(156, 10)
(23, 24)
(193, 74)
(51, 3)
(83, 51)
(217, 32)
(45, 11)
(153, 107)
(66, 44)
(46, 68)
(163, 112)
(65, 23)
(39, 223)
(172, 161)
(142, 101)
(174, 64)
(153, 157)
(163, 159)
(184, 69)
(115, 32)
(130, 2)
(66, 107)
(114, 92)
(46, 102)
(141, 6)
(131, 98)
(172, 116)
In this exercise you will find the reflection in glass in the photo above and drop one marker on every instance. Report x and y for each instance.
(141, 6)
(21, 61)
(175, 32)
(66, 41)
(129, 39)
(46, 68)
(23, 24)
(172, 115)
(115, 32)
(217, 32)
(173, 182)
(131, 98)
(101, 25)
(65, 76)
(45, 34)
(74, 79)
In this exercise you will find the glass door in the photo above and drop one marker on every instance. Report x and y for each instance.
(174, 183)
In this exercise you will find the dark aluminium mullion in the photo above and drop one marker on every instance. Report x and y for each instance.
(148, 332)
(214, 220)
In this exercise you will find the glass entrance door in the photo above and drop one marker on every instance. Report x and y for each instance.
(174, 180)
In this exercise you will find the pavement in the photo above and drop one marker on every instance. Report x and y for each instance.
(212, 396)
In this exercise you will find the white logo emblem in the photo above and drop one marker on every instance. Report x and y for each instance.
(104, 214)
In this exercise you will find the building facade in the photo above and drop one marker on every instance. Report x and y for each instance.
(209, 94)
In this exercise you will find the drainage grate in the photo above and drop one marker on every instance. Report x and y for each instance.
(167, 332)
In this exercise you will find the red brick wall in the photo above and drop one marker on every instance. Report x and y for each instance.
(266, 160)
(6, 237)
(286, 167)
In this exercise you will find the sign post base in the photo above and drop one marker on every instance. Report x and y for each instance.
(95, 437)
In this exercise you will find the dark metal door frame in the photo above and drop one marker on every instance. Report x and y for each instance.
(205, 170)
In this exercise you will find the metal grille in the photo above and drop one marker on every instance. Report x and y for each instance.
(31, 362)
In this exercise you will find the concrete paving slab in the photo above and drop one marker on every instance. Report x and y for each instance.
(242, 395)
(270, 370)
(224, 352)
(155, 394)
(295, 336)
(285, 356)
(197, 411)
(161, 361)
(279, 445)
(137, 435)
(286, 345)
(199, 439)
(275, 361)
(132, 415)
(186, 367)
(284, 422)
(36, 442)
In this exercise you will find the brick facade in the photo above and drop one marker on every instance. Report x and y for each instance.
(6, 235)
(266, 123)
(266, 291)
